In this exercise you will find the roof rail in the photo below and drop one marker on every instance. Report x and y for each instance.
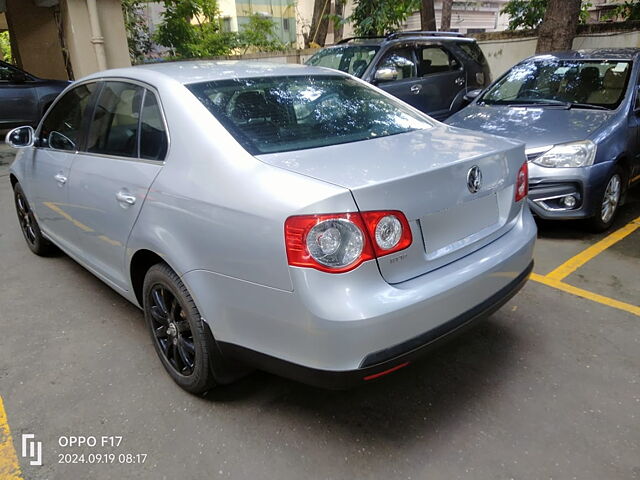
(418, 33)
(350, 39)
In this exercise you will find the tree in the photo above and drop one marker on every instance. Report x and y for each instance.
(259, 33)
(559, 26)
(379, 17)
(338, 24)
(319, 23)
(445, 21)
(524, 13)
(138, 35)
(187, 39)
(427, 16)
(5, 47)
(529, 13)
(629, 10)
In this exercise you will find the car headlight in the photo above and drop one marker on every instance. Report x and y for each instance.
(576, 154)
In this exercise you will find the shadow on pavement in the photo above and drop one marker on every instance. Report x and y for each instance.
(404, 406)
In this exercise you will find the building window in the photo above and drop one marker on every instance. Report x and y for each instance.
(285, 24)
(226, 24)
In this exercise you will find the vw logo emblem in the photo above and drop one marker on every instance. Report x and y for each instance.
(474, 179)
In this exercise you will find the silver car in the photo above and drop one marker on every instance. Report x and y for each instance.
(289, 218)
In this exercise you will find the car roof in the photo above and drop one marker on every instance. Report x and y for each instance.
(208, 70)
(402, 37)
(593, 53)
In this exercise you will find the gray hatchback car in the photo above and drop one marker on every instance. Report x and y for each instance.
(288, 218)
(579, 114)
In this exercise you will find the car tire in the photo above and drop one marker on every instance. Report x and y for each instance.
(181, 338)
(609, 203)
(36, 242)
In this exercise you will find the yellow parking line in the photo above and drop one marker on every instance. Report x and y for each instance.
(9, 465)
(574, 263)
(550, 282)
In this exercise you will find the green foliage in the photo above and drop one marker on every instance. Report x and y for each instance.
(378, 17)
(524, 13)
(5, 47)
(259, 33)
(138, 35)
(192, 28)
(187, 39)
(629, 10)
(529, 13)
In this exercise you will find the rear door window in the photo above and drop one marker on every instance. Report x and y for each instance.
(433, 60)
(63, 127)
(116, 118)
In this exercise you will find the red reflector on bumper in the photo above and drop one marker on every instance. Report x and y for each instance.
(392, 369)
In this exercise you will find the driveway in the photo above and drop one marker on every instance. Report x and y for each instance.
(548, 387)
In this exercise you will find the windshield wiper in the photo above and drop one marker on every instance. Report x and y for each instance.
(528, 103)
(589, 106)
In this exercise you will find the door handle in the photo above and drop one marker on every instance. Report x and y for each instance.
(60, 178)
(124, 197)
(459, 81)
(416, 89)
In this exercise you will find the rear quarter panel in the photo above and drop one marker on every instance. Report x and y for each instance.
(214, 207)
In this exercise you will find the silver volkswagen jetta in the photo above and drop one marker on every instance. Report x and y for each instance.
(289, 218)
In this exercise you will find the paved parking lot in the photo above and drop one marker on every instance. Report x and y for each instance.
(548, 387)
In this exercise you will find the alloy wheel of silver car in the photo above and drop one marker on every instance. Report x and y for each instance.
(26, 219)
(180, 337)
(36, 242)
(611, 198)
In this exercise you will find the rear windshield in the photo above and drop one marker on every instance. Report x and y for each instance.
(473, 51)
(349, 59)
(596, 83)
(280, 114)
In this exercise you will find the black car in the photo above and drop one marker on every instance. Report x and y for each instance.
(430, 70)
(24, 97)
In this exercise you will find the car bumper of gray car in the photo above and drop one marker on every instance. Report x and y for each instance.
(356, 325)
(378, 364)
(567, 193)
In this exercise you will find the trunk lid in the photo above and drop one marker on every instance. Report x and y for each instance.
(424, 174)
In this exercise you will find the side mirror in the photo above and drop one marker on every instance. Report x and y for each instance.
(21, 137)
(61, 142)
(471, 95)
(386, 74)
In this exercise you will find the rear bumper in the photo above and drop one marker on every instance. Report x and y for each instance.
(355, 323)
(379, 363)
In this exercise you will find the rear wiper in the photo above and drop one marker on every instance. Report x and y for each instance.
(587, 106)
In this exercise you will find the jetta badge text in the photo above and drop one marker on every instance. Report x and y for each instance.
(474, 179)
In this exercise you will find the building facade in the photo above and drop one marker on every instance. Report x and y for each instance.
(468, 16)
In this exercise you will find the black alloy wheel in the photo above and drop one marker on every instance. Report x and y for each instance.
(29, 225)
(172, 330)
(181, 338)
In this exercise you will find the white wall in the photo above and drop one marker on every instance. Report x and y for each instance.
(503, 54)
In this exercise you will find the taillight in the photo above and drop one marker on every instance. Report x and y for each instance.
(389, 231)
(340, 242)
(522, 182)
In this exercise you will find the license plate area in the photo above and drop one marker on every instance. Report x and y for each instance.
(449, 230)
